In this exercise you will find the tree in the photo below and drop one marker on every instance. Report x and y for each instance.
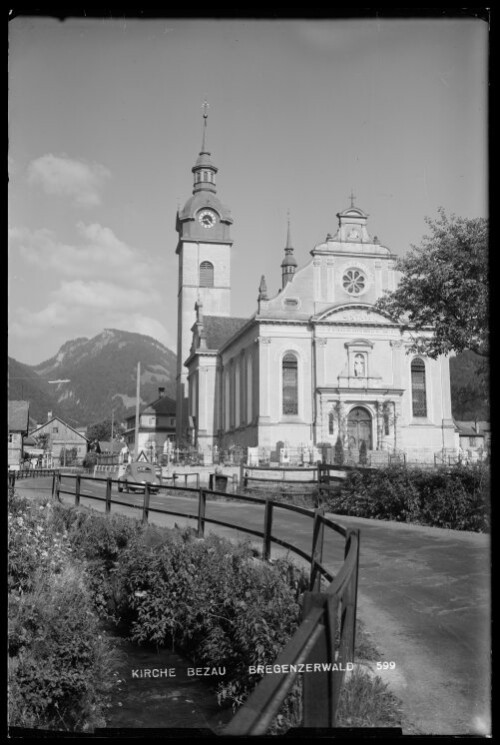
(444, 288)
(339, 457)
(100, 431)
(42, 440)
(363, 455)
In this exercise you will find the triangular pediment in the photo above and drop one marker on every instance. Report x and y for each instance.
(359, 314)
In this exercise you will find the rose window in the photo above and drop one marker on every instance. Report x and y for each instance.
(354, 281)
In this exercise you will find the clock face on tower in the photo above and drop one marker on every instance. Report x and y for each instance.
(206, 218)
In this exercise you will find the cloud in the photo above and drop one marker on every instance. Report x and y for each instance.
(98, 282)
(65, 177)
(100, 295)
(52, 324)
(97, 254)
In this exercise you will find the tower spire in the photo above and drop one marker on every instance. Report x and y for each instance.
(205, 108)
(288, 232)
(289, 264)
(352, 197)
(204, 170)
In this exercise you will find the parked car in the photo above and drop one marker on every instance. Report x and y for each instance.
(136, 475)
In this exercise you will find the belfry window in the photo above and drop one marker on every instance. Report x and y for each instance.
(418, 394)
(290, 385)
(206, 274)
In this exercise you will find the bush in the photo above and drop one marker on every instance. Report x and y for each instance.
(212, 601)
(59, 662)
(456, 498)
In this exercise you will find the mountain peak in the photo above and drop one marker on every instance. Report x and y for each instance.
(101, 374)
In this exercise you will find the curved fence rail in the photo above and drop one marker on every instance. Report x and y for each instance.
(29, 473)
(322, 648)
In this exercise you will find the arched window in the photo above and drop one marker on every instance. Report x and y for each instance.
(206, 274)
(418, 397)
(290, 385)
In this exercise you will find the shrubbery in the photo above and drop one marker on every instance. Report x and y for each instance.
(59, 660)
(456, 498)
(214, 602)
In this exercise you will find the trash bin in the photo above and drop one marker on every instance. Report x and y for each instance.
(217, 482)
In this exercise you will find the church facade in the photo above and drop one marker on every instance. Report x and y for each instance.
(316, 363)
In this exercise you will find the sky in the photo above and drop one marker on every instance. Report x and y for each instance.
(105, 124)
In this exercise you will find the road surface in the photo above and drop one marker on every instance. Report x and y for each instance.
(424, 596)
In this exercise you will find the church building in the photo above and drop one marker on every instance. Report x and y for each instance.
(316, 362)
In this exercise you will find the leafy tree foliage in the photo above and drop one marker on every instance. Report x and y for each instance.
(470, 386)
(444, 286)
(100, 431)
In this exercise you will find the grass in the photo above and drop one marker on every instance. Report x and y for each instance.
(366, 701)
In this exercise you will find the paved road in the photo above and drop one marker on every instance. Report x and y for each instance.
(424, 595)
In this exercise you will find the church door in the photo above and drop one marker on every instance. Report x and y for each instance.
(359, 428)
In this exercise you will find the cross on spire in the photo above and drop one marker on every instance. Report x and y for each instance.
(352, 197)
(205, 107)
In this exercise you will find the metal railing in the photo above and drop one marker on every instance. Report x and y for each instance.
(325, 640)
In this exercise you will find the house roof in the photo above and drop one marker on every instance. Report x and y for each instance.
(471, 427)
(219, 329)
(58, 419)
(18, 416)
(162, 405)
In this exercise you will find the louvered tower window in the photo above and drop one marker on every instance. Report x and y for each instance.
(290, 385)
(206, 274)
(418, 395)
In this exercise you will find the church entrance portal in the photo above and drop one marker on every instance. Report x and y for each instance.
(359, 428)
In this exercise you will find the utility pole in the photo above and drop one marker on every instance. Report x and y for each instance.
(137, 406)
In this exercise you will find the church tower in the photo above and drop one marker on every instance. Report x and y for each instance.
(204, 250)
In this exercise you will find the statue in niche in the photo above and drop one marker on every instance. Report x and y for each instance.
(359, 366)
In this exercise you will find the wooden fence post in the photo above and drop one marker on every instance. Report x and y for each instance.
(268, 522)
(77, 490)
(202, 506)
(317, 549)
(58, 486)
(108, 494)
(145, 507)
(353, 594)
(321, 689)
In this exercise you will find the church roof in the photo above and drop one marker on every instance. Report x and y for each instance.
(219, 329)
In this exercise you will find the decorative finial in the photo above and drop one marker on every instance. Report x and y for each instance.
(198, 306)
(263, 288)
(288, 231)
(205, 108)
(352, 198)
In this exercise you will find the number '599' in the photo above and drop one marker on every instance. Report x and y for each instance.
(386, 665)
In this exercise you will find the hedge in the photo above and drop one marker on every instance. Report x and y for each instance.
(456, 497)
